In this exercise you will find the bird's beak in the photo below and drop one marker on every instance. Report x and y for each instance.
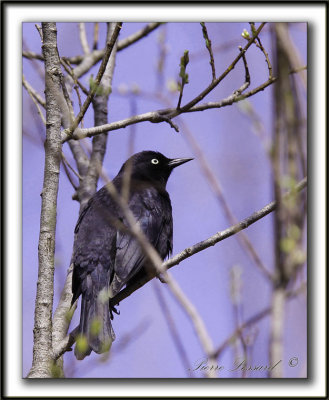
(175, 162)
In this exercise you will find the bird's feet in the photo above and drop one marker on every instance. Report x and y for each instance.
(113, 310)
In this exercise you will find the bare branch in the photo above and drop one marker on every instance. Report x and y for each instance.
(161, 115)
(95, 37)
(70, 111)
(31, 55)
(188, 252)
(253, 320)
(183, 75)
(39, 29)
(211, 241)
(88, 184)
(247, 75)
(34, 93)
(165, 115)
(100, 105)
(291, 51)
(42, 332)
(68, 174)
(242, 237)
(260, 46)
(67, 66)
(172, 329)
(277, 329)
(213, 84)
(35, 98)
(108, 51)
(62, 317)
(83, 38)
(153, 116)
(156, 261)
(122, 44)
(92, 58)
(69, 166)
(209, 48)
(160, 269)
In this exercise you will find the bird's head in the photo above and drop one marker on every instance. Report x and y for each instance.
(152, 166)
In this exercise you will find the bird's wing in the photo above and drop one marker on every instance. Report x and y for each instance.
(94, 245)
(153, 215)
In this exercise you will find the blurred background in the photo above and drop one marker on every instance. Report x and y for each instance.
(237, 142)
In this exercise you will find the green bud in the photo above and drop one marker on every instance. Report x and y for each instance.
(82, 343)
(95, 326)
(245, 34)
(287, 244)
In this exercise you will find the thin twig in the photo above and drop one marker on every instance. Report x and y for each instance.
(162, 48)
(32, 55)
(68, 174)
(95, 37)
(97, 55)
(183, 75)
(108, 51)
(209, 48)
(247, 74)
(260, 46)
(34, 93)
(33, 96)
(291, 51)
(168, 114)
(172, 329)
(67, 99)
(83, 38)
(213, 84)
(67, 66)
(211, 241)
(122, 44)
(100, 106)
(242, 237)
(160, 115)
(69, 166)
(254, 319)
(156, 261)
(190, 251)
(39, 29)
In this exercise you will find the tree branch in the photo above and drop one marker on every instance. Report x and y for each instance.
(122, 44)
(42, 347)
(242, 237)
(252, 320)
(209, 48)
(188, 252)
(211, 241)
(83, 38)
(36, 98)
(100, 105)
(168, 114)
(33, 93)
(109, 47)
(97, 55)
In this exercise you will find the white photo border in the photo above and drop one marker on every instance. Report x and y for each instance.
(312, 13)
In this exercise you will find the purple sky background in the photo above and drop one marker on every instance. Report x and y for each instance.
(238, 159)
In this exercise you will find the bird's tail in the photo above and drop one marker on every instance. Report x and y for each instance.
(95, 329)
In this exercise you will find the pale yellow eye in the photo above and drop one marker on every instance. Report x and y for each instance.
(155, 161)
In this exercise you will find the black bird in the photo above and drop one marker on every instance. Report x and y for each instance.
(107, 257)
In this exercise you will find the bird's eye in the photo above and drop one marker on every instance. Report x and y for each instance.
(155, 161)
